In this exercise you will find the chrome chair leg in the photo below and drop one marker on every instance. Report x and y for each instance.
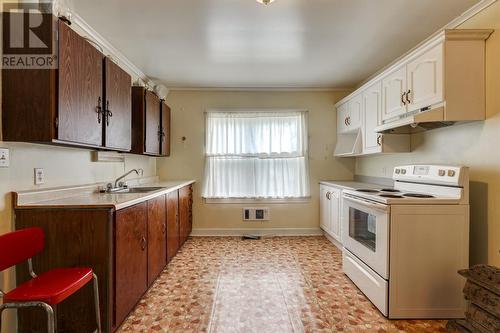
(96, 301)
(48, 309)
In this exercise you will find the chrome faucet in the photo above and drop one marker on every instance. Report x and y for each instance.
(119, 184)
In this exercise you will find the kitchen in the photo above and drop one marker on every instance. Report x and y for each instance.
(194, 89)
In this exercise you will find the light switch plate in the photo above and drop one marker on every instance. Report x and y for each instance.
(4, 158)
(39, 176)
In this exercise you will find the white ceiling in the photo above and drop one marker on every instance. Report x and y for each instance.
(290, 43)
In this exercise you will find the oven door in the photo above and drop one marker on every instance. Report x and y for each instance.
(365, 232)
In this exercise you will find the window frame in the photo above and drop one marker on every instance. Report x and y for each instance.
(257, 200)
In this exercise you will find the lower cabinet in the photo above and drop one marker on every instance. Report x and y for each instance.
(157, 237)
(172, 200)
(185, 213)
(127, 249)
(131, 257)
(330, 211)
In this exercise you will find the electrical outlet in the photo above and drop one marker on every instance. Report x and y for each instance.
(39, 176)
(4, 158)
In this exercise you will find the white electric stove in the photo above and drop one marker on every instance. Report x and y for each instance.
(404, 245)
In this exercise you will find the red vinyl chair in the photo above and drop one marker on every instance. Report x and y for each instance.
(47, 289)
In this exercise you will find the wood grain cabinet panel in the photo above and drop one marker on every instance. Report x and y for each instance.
(118, 107)
(157, 237)
(172, 199)
(153, 125)
(80, 89)
(185, 223)
(131, 262)
(165, 129)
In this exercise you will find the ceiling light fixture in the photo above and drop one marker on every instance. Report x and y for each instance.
(265, 2)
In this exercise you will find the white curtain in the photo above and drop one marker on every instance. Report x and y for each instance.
(256, 155)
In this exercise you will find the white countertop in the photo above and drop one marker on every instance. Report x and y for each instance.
(350, 184)
(88, 196)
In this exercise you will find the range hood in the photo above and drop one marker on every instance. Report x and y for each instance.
(417, 121)
(349, 144)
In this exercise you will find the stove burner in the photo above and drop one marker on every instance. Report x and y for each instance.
(417, 195)
(389, 190)
(367, 190)
(390, 196)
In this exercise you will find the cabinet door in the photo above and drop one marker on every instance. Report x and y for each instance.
(184, 214)
(152, 144)
(131, 261)
(172, 224)
(425, 79)
(372, 100)
(324, 204)
(80, 89)
(117, 90)
(342, 114)
(355, 112)
(393, 88)
(165, 127)
(157, 237)
(335, 219)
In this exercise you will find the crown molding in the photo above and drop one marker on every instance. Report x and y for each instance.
(109, 49)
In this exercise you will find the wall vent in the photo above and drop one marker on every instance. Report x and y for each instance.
(256, 214)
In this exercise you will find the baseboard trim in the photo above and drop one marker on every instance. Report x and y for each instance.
(258, 232)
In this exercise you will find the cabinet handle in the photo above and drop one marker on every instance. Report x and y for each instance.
(345, 121)
(408, 96)
(403, 98)
(379, 140)
(99, 110)
(143, 243)
(329, 195)
(163, 228)
(108, 112)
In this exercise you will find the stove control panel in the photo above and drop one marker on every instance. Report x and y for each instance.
(431, 174)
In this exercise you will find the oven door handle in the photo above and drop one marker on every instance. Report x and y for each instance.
(367, 203)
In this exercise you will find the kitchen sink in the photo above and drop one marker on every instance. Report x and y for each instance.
(132, 190)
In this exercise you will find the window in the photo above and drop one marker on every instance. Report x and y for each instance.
(256, 155)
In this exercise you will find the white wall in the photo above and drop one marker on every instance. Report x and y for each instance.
(475, 145)
(187, 160)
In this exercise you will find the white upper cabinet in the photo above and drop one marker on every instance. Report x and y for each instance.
(349, 115)
(393, 94)
(372, 102)
(355, 110)
(438, 83)
(425, 79)
(342, 114)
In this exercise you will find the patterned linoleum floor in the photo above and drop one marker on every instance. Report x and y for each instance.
(282, 284)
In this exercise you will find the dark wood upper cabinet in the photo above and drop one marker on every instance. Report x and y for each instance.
(80, 89)
(165, 129)
(153, 115)
(67, 105)
(145, 122)
(117, 107)
(172, 199)
(150, 123)
(157, 237)
(131, 261)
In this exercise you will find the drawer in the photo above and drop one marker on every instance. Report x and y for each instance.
(370, 283)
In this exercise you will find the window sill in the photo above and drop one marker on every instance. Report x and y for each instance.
(256, 200)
